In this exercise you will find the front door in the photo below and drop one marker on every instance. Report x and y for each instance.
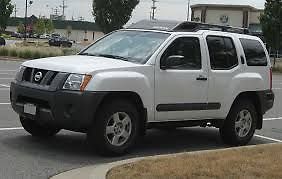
(181, 87)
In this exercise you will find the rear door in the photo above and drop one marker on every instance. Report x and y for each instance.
(224, 66)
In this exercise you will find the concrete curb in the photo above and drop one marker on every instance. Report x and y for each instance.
(100, 171)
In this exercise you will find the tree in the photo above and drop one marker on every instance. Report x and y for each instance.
(111, 15)
(271, 22)
(49, 26)
(20, 28)
(6, 9)
(40, 26)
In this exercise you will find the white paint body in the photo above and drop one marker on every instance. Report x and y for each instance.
(156, 86)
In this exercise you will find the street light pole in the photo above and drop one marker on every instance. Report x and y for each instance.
(188, 10)
(25, 21)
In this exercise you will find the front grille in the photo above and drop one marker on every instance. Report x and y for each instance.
(39, 76)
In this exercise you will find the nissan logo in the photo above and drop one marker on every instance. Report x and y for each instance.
(38, 76)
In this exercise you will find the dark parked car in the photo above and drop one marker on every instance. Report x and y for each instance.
(60, 41)
(2, 41)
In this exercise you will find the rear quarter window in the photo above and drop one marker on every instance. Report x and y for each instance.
(254, 52)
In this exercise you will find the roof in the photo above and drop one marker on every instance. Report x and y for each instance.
(225, 6)
(58, 24)
(187, 26)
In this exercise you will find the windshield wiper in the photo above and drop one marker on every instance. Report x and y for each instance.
(87, 54)
(105, 55)
(112, 56)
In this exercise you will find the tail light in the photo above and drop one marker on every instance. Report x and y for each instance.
(270, 77)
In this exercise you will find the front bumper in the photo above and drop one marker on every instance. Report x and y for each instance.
(72, 110)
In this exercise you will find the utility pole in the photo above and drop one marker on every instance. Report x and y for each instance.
(16, 10)
(188, 10)
(64, 6)
(56, 11)
(154, 7)
(25, 20)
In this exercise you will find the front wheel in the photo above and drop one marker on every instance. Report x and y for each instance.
(115, 129)
(37, 130)
(240, 125)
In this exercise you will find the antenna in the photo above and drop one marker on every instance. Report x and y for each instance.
(154, 7)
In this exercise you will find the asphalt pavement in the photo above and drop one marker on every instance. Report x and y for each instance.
(22, 156)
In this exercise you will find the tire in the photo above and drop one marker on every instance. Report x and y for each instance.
(121, 118)
(36, 129)
(240, 125)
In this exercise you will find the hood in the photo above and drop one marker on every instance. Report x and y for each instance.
(78, 64)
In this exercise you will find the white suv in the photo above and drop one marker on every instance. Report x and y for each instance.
(165, 76)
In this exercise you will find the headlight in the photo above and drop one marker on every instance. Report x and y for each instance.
(77, 82)
(19, 74)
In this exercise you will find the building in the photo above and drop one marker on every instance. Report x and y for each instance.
(231, 15)
(74, 30)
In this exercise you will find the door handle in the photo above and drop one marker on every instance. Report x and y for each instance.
(202, 78)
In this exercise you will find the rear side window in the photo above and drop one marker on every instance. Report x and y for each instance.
(223, 55)
(254, 52)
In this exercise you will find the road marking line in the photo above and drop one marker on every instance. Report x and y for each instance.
(268, 138)
(8, 70)
(7, 74)
(5, 103)
(277, 88)
(272, 119)
(10, 129)
(3, 85)
(6, 78)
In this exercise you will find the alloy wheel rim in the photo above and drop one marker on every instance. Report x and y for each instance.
(243, 123)
(118, 129)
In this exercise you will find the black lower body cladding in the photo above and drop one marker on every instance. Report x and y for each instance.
(71, 110)
(266, 99)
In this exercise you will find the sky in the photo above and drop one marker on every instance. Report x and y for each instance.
(166, 9)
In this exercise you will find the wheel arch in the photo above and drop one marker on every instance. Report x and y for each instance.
(255, 99)
(132, 97)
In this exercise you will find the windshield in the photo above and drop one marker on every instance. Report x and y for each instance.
(133, 46)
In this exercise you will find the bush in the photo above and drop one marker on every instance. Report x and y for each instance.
(277, 69)
(36, 55)
(30, 52)
(4, 51)
(13, 52)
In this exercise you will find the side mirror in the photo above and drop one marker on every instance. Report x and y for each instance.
(173, 62)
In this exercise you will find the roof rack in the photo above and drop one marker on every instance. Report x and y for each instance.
(196, 26)
(176, 26)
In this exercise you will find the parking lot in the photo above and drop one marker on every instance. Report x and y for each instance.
(22, 156)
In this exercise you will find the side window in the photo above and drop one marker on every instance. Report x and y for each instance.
(186, 48)
(254, 52)
(223, 55)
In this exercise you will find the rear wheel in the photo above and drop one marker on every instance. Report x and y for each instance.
(240, 125)
(115, 129)
(37, 130)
